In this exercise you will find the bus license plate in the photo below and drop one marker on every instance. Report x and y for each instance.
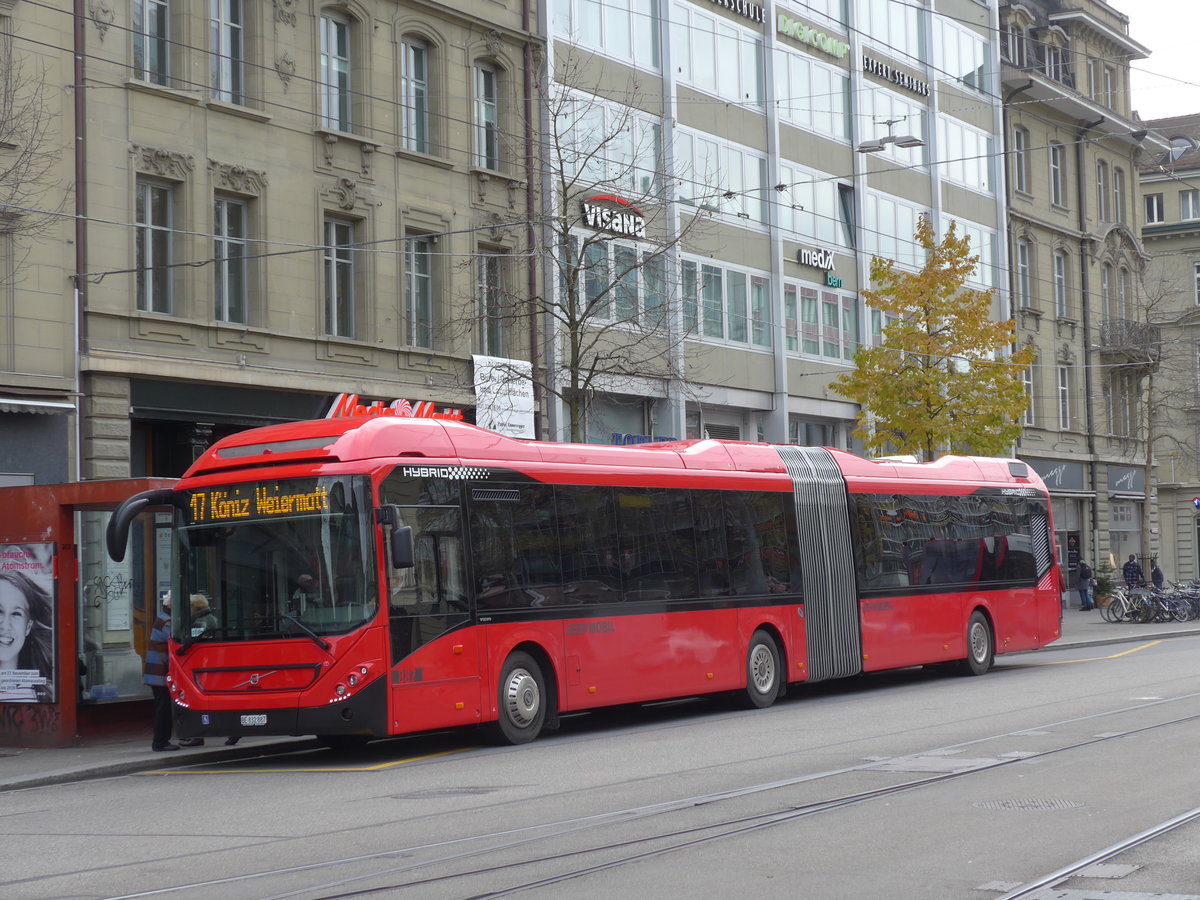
(259, 719)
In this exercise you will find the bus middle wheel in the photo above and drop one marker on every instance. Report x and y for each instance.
(763, 671)
(980, 651)
(522, 700)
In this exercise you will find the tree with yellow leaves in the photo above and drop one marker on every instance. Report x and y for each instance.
(943, 380)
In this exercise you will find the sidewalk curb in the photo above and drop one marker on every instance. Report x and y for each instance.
(1126, 637)
(185, 756)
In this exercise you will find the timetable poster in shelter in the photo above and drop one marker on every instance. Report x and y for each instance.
(27, 623)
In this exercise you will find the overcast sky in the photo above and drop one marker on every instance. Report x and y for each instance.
(1167, 83)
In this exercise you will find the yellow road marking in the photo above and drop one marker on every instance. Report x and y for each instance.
(378, 767)
(1063, 662)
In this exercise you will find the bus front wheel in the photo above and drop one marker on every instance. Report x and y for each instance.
(979, 646)
(522, 700)
(763, 671)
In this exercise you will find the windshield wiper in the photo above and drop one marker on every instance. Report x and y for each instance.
(320, 642)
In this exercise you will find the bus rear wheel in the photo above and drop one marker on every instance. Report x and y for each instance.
(522, 700)
(979, 646)
(763, 671)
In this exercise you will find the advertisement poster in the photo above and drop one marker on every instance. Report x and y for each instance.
(26, 623)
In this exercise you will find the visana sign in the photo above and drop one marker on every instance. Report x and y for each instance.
(348, 405)
(600, 215)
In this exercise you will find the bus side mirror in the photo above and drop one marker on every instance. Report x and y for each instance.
(402, 547)
(116, 535)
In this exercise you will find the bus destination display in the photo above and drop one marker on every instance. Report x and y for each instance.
(256, 500)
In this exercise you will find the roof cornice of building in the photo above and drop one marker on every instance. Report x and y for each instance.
(1082, 17)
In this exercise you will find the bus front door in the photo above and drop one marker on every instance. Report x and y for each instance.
(434, 679)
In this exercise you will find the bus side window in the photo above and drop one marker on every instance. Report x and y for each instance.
(711, 552)
(759, 557)
(658, 545)
(587, 528)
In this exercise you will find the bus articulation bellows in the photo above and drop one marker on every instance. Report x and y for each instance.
(373, 576)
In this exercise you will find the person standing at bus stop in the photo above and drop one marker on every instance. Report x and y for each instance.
(1132, 571)
(1085, 586)
(154, 673)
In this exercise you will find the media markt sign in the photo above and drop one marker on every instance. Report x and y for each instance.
(606, 212)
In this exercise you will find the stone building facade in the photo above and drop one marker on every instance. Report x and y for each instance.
(1072, 142)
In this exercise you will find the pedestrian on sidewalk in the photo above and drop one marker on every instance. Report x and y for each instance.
(1156, 575)
(1132, 572)
(154, 673)
(1085, 586)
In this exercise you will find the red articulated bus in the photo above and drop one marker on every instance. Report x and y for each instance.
(369, 576)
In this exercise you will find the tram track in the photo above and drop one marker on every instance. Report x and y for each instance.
(606, 855)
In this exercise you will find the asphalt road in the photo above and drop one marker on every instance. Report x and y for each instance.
(906, 785)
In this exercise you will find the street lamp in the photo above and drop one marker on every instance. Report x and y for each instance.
(900, 140)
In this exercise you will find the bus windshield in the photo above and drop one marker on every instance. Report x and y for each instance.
(275, 559)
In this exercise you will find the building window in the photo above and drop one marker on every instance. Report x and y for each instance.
(1102, 191)
(1064, 397)
(967, 153)
(335, 73)
(1189, 204)
(626, 30)
(1030, 417)
(1155, 209)
(339, 278)
(809, 93)
(1124, 293)
(1118, 196)
(1020, 159)
(826, 325)
(418, 292)
(487, 118)
(961, 53)
(1196, 274)
(721, 177)
(414, 94)
(1014, 44)
(1060, 283)
(700, 38)
(1110, 87)
(727, 304)
(896, 28)
(606, 142)
(491, 303)
(155, 239)
(1056, 66)
(226, 27)
(1024, 274)
(229, 255)
(1058, 175)
(151, 40)
(1106, 290)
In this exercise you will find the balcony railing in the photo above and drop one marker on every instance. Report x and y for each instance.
(1139, 341)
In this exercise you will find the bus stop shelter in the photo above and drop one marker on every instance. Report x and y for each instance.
(89, 617)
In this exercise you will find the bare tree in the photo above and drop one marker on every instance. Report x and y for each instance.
(614, 306)
(1163, 363)
(1149, 381)
(28, 155)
